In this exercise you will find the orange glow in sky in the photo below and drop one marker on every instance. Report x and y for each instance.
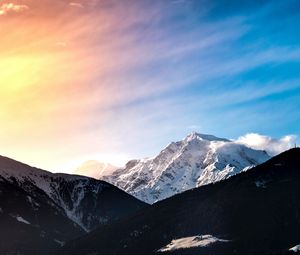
(113, 80)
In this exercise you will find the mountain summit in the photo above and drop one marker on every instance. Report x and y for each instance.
(195, 135)
(196, 160)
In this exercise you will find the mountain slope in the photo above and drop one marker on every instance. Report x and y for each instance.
(255, 212)
(31, 222)
(42, 209)
(195, 161)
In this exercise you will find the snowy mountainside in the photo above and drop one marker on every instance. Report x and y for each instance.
(234, 216)
(87, 202)
(197, 160)
(31, 222)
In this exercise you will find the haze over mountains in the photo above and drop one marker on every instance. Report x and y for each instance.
(95, 169)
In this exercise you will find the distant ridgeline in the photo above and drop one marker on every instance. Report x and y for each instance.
(40, 211)
(254, 212)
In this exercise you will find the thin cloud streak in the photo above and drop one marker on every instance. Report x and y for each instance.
(7, 8)
(77, 5)
(91, 67)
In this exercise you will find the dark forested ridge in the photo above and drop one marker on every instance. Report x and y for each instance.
(41, 211)
(258, 211)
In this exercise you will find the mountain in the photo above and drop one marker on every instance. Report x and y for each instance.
(31, 222)
(256, 212)
(197, 160)
(95, 169)
(40, 209)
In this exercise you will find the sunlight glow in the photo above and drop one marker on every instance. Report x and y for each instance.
(19, 72)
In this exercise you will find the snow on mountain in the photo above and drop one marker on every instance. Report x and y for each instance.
(191, 242)
(87, 202)
(253, 220)
(95, 169)
(30, 220)
(295, 248)
(27, 176)
(197, 160)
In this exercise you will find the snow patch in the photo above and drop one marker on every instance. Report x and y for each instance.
(261, 184)
(20, 219)
(295, 248)
(61, 243)
(34, 204)
(135, 233)
(191, 242)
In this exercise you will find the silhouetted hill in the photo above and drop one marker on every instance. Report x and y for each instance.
(40, 211)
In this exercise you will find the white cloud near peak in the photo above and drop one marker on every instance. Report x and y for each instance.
(271, 145)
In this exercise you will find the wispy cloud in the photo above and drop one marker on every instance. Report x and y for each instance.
(61, 44)
(122, 66)
(6, 8)
(77, 5)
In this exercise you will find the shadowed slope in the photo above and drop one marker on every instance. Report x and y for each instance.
(40, 211)
(258, 211)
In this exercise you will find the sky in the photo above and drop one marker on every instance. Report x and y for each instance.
(114, 80)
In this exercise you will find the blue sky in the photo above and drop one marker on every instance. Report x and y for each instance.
(235, 70)
(128, 77)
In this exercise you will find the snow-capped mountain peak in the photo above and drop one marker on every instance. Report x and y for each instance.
(196, 160)
(195, 135)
